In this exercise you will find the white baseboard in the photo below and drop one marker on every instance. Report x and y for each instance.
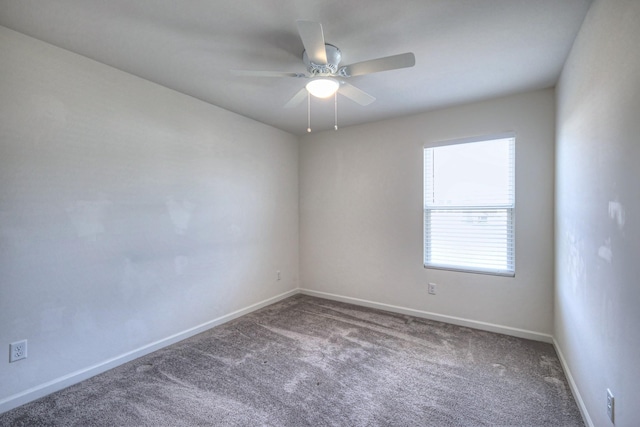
(573, 386)
(83, 374)
(506, 330)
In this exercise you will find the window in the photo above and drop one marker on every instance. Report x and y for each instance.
(469, 205)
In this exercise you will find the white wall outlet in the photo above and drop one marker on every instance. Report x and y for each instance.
(278, 275)
(17, 351)
(432, 288)
(610, 405)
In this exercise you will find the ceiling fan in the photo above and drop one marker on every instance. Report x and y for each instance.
(326, 75)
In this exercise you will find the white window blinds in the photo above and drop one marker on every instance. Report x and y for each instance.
(469, 204)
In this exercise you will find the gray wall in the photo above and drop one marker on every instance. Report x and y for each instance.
(361, 215)
(129, 213)
(597, 309)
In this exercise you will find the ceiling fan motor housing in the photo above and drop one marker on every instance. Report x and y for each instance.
(334, 56)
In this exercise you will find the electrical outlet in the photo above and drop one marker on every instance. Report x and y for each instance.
(432, 288)
(278, 275)
(17, 351)
(610, 405)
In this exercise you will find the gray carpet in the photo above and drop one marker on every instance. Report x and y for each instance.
(312, 362)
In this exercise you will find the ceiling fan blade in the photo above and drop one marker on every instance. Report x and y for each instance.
(297, 98)
(355, 94)
(313, 41)
(251, 73)
(393, 62)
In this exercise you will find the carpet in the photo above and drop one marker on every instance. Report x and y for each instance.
(306, 361)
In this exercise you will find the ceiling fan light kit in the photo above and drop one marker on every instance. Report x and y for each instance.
(323, 64)
(322, 87)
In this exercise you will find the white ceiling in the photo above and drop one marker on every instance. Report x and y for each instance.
(466, 50)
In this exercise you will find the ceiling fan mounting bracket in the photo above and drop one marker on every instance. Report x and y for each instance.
(334, 56)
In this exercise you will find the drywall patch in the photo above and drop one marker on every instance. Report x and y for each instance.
(617, 213)
(576, 267)
(88, 218)
(180, 213)
(605, 251)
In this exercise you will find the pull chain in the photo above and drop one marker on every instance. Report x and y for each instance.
(309, 112)
(335, 111)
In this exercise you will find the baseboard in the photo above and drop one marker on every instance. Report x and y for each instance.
(506, 330)
(573, 386)
(83, 374)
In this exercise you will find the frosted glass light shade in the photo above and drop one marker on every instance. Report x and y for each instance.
(322, 88)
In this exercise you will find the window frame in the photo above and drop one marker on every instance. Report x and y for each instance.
(509, 210)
